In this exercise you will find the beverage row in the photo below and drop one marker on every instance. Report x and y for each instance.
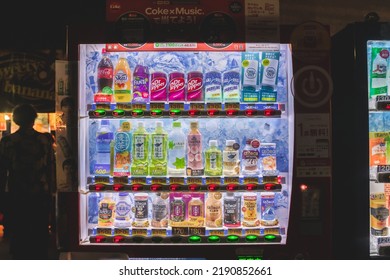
(160, 210)
(255, 80)
(139, 153)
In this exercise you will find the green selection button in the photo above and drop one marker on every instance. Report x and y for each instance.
(251, 238)
(194, 239)
(269, 237)
(232, 238)
(214, 239)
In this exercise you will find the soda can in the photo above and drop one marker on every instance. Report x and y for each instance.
(195, 86)
(176, 90)
(158, 86)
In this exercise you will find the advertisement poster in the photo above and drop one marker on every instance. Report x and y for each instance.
(27, 78)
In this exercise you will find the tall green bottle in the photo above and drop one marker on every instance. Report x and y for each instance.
(213, 160)
(159, 150)
(140, 151)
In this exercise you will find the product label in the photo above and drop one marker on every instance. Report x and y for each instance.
(105, 73)
(159, 212)
(231, 86)
(213, 86)
(213, 160)
(230, 156)
(141, 209)
(122, 141)
(250, 208)
(106, 211)
(195, 210)
(177, 211)
(122, 210)
(267, 202)
(139, 144)
(268, 156)
(158, 87)
(231, 212)
(158, 84)
(269, 63)
(120, 80)
(158, 148)
(103, 141)
(250, 158)
(176, 84)
(194, 86)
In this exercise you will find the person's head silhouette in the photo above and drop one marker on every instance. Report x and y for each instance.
(24, 115)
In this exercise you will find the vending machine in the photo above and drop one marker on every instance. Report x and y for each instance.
(185, 149)
(378, 103)
(360, 139)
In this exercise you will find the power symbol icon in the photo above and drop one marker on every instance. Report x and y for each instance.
(312, 86)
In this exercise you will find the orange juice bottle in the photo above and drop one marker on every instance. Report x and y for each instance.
(122, 81)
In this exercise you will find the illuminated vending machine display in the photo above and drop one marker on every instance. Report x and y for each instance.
(185, 144)
(379, 145)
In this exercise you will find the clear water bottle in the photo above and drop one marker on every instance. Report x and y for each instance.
(93, 209)
(176, 150)
(104, 137)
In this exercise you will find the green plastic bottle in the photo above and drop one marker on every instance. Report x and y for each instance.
(140, 151)
(213, 160)
(159, 150)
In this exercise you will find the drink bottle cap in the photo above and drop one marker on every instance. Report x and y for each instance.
(140, 124)
(230, 142)
(109, 195)
(125, 125)
(159, 124)
(176, 124)
(123, 194)
(105, 122)
(213, 143)
(194, 125)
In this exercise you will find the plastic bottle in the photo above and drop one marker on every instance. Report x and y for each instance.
(176, 150)
(104, 136)
(178, 210)
(160, 211)
(194, 151)
(105, 77)
(213, 85)
(122, 81)
(106, 211)
(176, 86)
(159, 147)
(196, 212)
(250, 157)
(231, 83)
(195, 85)
(122, 158)
(123, 211)
(214, 210)
(140, 151)
(249, 209)
(231, 160)
(141, 208)
(213, 159)
(93, 208)
(231, 210)
(141, 79)
(378, 82)
(158, 86)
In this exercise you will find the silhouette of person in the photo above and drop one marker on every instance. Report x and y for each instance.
(27, 170)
